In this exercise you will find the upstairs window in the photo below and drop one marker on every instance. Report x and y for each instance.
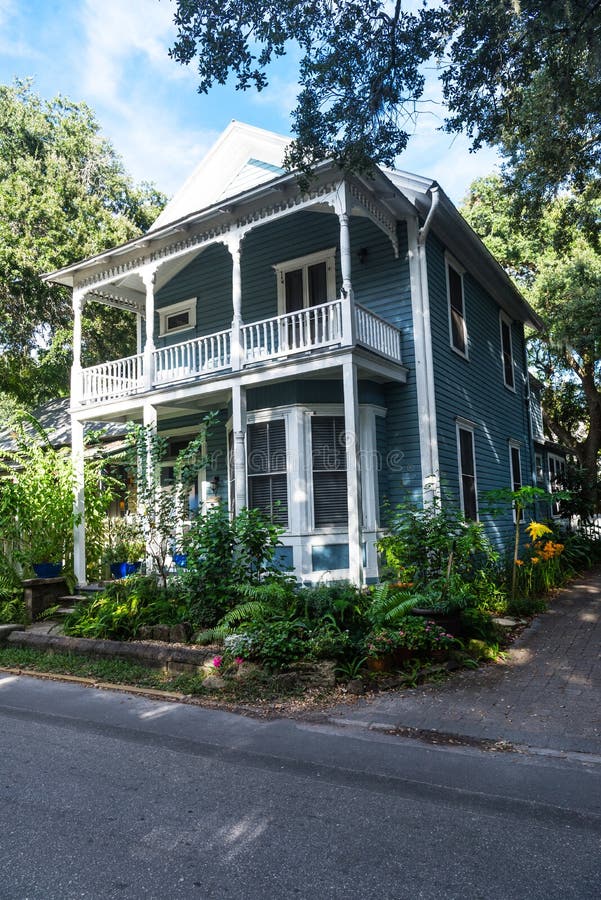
(457, 326)
(268, 470)
(507, 352)
(467, 471)
(177, 317)
(306, 281)
(328, 456)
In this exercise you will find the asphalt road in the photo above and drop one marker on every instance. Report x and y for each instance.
(104, 795)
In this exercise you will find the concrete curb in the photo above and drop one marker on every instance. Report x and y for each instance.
(150, 693)
(153, 654)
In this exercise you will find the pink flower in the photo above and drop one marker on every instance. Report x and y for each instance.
(217, 660)
(239, 660)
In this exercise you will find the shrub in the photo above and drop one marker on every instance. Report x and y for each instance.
(125, 605)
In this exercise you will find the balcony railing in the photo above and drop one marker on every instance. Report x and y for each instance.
(112, 380)
(377, 334)
(306, 329)
(191, 358)
(315, 328)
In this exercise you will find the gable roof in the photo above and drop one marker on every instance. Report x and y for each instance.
(242, 157)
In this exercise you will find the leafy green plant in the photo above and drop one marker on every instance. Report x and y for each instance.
(412, 633)
(161, 509)
(125, 606)
(124, 541)
(351, 668)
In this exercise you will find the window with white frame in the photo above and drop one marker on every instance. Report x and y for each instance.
(507, 351)
(328, 460)
(177, 317)
(267, 469)
(515, 467)
(456, 298)
(467, 470)
(306, 281)
(539, 467)
(557, 479)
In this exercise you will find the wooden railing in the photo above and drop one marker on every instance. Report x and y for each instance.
(190, 358)
(307, 329)
(111, 380)
(378, 334)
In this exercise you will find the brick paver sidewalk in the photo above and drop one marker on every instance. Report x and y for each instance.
(547, 693)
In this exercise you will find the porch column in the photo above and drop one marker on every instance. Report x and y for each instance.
(353, 471)
(236, 354)
(150, 426)
(79, 301)
(79, 529)
(149, 278)
(239, 431)
(343, 207)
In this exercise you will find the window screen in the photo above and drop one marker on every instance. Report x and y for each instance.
(458, 334)
(468, 474)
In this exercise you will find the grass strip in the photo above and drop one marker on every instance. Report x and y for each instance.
(117, 671)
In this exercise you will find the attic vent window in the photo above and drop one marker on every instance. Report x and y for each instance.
(178, 317)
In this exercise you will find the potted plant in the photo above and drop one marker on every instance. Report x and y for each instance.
(125, 547)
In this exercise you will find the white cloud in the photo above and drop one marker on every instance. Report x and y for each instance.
(11, 25)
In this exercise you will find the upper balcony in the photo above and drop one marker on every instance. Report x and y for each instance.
(310, 330)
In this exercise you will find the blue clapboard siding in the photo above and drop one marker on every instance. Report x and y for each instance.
(307, 393)
(473, 389)
(208, 278)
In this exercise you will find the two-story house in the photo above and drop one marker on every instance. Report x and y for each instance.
(361, 345)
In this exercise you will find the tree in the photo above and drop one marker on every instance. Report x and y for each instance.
(558, 267)
(523, 75)
(63, 196)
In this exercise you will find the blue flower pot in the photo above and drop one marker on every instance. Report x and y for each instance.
(123, 569)
(180, 559)
(47, 570)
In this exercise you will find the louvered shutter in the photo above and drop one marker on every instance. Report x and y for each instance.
(330, 496)
(267, 478)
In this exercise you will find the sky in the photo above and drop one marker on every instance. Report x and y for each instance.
(113, 54)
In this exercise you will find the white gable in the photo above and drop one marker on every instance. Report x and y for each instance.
(242, 157)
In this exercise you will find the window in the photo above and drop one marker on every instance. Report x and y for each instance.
(507, 352)
(515, 466)
(557, 477)
(457, 325)
(467, 471)
(328, 456)
(268, 470)
(540, 470)
(307, 281)
(177, 317)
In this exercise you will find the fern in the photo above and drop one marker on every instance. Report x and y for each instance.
(389, 605)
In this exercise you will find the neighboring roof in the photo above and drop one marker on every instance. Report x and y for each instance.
(241, 158)
(55, 420)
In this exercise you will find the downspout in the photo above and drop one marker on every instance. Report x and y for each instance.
(423, 338)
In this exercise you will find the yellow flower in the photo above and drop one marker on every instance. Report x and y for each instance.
(535, 559)
(519, 562)
(537, 529)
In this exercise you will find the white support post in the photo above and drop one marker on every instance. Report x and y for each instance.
(236, 351)
(239, 430)
(150, 427)
(79, 300)
(139, 331)
(353, 471)
(342, 207)
(149, 278)
(79, 529)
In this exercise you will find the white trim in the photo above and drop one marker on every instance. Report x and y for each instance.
(304, 262)
(513, 444)
(424, 364)
(451, 264)
(469, 428)
(504, 319)
(165, 312)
